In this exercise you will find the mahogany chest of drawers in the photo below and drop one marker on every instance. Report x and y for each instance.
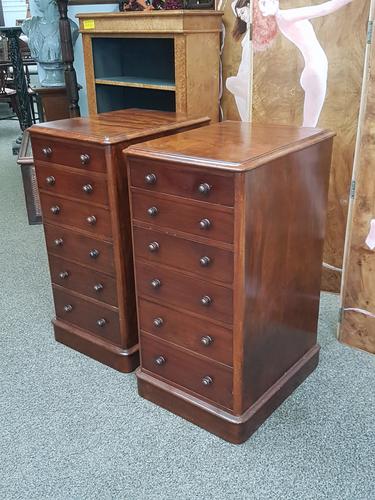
(84, 197)
(228, 227)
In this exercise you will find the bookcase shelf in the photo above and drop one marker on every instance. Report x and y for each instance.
(134, 81)
(161, 60)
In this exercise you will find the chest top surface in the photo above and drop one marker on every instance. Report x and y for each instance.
(116, 126)
(230, 145)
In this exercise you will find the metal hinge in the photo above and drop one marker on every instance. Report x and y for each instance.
(251, 31)
(352, 189)
(370, 27)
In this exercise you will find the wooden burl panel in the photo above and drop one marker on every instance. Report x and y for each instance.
(358, 289)
(278, 98)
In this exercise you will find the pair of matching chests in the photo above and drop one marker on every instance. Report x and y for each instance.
(187, 243)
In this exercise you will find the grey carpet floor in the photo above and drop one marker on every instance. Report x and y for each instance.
(72, 428)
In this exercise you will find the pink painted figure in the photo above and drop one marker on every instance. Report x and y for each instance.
(295, 25)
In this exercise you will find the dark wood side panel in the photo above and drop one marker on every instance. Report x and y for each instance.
(122, 240)
(285, 210)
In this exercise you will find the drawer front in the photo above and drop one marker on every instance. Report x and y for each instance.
(205, 378)
(187, 331)
(84, 187)
(72, 154)
(84, 314)
(202, 220)
(171, 288)
(83, 280)
(182, 181)
(70, 245)
(74, 213)
(206, 261)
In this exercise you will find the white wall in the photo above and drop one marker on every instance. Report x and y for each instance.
(13, 10)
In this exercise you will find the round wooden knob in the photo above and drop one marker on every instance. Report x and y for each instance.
(160, 360)
(47, 151)
(158, 322)
(206, 300)
(150, 179)
(94, 253)
(87, 188)
(63, 275)
(91, 219)
(204, 188)
(205, 261)
(50, 180)
(154, 246)
(156, 283)
(207, 380)
(205, 224)
(206, 340)
(59, 242)
(101, 322)
(85, 159)
(68, 308)
(55, 210)
(152, 211)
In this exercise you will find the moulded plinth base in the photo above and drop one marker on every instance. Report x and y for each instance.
(235, 429)
(123, 360)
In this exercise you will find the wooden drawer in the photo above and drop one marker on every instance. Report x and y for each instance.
(181, 181)
(181, 291)
(76, 214)
(72, 154)
(183, 217)
(187, 331)
(206, 261)
(89, 189)
(86, 315)
(83, 280)
(187, 370)
(70, 245)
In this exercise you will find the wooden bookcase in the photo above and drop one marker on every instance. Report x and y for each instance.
(163, 60)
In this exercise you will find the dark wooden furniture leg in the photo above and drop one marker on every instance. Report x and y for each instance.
(68, 59)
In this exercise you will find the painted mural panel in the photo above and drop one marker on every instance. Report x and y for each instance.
(237, 60)
(310, 74)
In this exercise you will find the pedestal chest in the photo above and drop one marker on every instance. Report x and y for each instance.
(84, 197)
(228, 227)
